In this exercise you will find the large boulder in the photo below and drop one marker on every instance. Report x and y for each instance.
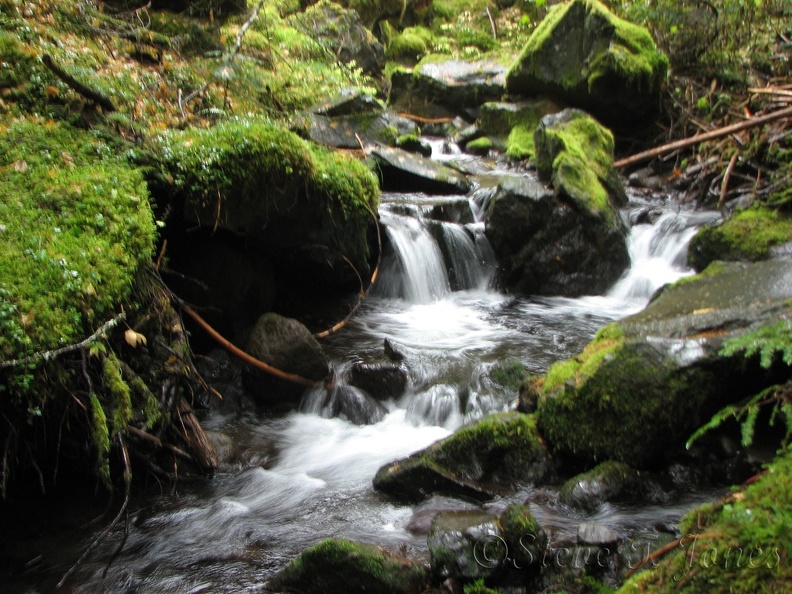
(478, 462)
(336, 566)
(548, 245)
(585, 56)
(640, 389)
(308, 209)
(287, 345)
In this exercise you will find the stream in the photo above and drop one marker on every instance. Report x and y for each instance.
(306, 477)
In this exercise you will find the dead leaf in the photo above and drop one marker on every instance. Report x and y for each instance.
(703, 310)
(134, 338)
(20, 166)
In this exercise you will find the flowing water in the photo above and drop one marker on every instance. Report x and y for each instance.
(308, 477)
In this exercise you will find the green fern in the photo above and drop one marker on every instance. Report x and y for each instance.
(769, 342)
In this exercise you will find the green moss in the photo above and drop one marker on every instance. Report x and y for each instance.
(75, 228)
(120, 393)
(713, 269)
(480, 146)
(101, 438)
(412, 43)
(499, 431)
(578, 369)
(576, 153)
(602, 483)
(520, 143)
(593, 406)
(341, 566)
(740, 544)
(749, 235)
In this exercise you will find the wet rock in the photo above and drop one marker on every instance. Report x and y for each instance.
(594, 533)
(477, 462)
(469, 545)
(609, 481)
(585, 56)
(381, 381)
(345, 402)
(336, 566)
(287, 345)
(513, 124)
(545, 245)
(391, 352)
(413, 144)
(660, 374)
(405, 172)
(350, 131)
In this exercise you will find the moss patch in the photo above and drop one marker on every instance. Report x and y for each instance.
(342, 566)
(75, 227)
(740, 544)
(576, 153)
(749, 235)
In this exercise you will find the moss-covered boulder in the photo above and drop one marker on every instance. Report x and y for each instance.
(75, 230)
(336, 566)
(575, 153)
(751, 234)
(478, 462)
(739, 544)
(548, 245)
(585, 56)
(307, 209)
(638, 391)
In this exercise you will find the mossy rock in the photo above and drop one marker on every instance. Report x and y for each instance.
(641, 388)
(609, 481)
(259, 181)
(477, 462)
(740, 544)
(409, 45)
(75, 229)
(516, 123)
(585, 56)
(750, 235)
(336, 566)
(575, 153)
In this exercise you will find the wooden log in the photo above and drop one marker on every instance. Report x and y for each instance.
(699, 138)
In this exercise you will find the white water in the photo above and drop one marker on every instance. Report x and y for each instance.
(230, 533)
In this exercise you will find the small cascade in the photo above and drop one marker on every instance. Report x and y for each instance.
(658, 255)
(418, 273)
(466, 265)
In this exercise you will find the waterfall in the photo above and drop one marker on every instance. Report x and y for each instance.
(658, 255)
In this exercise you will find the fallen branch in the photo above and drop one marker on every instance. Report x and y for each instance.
(82, 89)
(699, 138)
(239, 353)
(726, 178)
(159, 443)
(679, 542)
(422, 120)
(47, 355)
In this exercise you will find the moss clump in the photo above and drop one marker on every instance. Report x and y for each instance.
(410, 44)
(592, 407)
(605, 482)
(740, 544)
(750, 235)
(341, 566)
(576, 153)
(578, 369)
(75, 228)
(480, 146)
(520, 143)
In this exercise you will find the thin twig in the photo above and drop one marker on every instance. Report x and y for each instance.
(726, 177)
(47, 355)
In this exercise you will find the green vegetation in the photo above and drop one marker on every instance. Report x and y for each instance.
(578, 369)
(740, 544)
(341, 566)
(749, 235)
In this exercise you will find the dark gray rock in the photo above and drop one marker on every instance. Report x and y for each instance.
(345, 402)
(287, 345)
(545, 245)
(406, 172)
(382, 381)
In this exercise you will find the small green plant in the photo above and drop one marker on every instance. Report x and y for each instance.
(770, 342)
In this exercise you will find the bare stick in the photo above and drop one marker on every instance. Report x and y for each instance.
(699, 138)
(726, 177)
(47, 355)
